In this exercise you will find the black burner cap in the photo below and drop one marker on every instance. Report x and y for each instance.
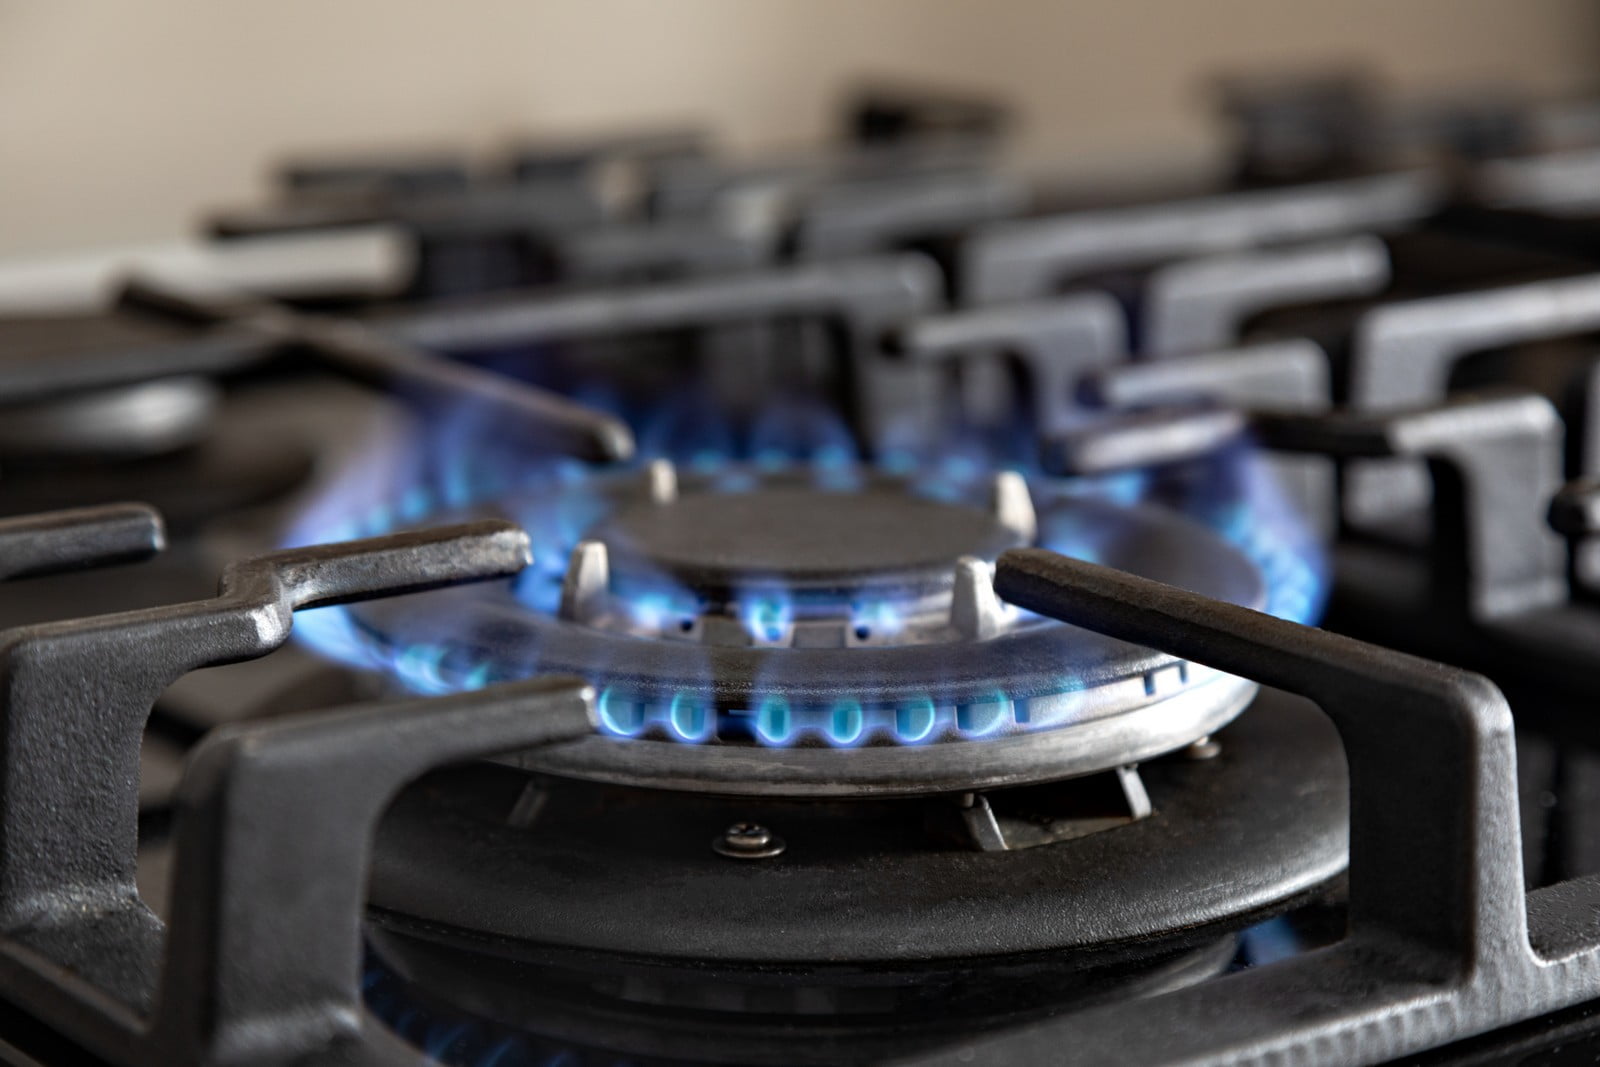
(808, 540)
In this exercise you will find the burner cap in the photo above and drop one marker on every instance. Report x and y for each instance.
(811, 541)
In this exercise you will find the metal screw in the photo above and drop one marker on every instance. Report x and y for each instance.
(748, 841)
(1203, 749)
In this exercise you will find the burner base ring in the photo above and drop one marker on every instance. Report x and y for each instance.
(861, 882)
(1095, 744)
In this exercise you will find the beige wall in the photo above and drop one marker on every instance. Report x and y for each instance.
(118, 120)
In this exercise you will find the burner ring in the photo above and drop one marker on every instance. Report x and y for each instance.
(1111, 739)
(893, 719)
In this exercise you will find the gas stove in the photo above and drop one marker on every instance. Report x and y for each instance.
(852, 607)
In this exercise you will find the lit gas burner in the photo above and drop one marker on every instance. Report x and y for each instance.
(816, 712)
(800, 629)
(838, 783)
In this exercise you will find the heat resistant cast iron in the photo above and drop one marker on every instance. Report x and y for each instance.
(1443, 941)
(262, 960)
(1403, 353)
(1029, 258)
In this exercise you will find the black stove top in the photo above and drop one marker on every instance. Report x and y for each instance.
(842, 609)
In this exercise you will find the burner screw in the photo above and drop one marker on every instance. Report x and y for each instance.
(748, 841)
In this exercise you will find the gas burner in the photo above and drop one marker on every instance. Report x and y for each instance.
(816, 630)
(814, 710)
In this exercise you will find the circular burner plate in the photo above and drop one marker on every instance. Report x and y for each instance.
(806, 540)
(632, 871)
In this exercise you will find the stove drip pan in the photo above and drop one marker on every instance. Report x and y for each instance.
(603, 916)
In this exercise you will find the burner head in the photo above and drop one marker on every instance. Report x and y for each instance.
(809, 542)
(857, 668)
(792, 564)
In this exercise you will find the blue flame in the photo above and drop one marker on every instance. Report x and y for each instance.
(914, 722)
(767, 615)
(618, 716)
(658, 610)
(455, 1038)
(985, 718)
(449, 469)
(1269, 942)
(806, 432)
(875, 618)
(690, 719)
(1256, 516)
(847, 724)
(1066, 531)
(774, 722)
